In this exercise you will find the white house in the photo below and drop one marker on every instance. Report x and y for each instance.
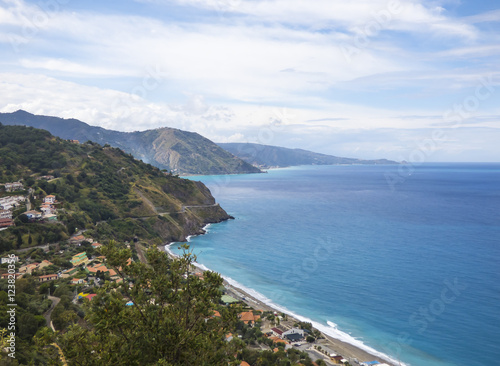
(47, 209)
(33, 214)
(5, 214)
(6, 203)
(49, 199)
(11, 187)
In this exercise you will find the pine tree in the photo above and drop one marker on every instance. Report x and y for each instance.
(170, 322)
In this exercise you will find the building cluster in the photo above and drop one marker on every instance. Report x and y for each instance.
(48, 211)
(12, 187)
(11, 202)
(92, 268)
(8, 204)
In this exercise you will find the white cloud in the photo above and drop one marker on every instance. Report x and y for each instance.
(222, 72)
(65, 66)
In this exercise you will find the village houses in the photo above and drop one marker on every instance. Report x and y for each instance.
(12, 187)
(5, 214)
(7, 203)
(4, 223)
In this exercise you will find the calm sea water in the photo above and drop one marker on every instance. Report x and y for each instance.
(410, 270)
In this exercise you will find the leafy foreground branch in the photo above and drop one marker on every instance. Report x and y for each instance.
(160, 314)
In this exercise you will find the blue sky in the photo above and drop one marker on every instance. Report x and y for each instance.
(407, 80)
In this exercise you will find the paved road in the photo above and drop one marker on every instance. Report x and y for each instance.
(48, 313)
(35, 247)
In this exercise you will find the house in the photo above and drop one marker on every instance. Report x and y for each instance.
(9, 260)
(6, 275)
(102, 268)
(96, 245)
(11, 187)
(33, 215)
(7, 203)
(5, 214)
(47, 209)
(46, 177)
(80, 258)
(28, 268)
(244, 363)
(294, 334)
(78, 239)
(91, 296)
(49, 277)
(50, 199)
(6, 223)
(277, 332)
(69, 273)
(248, 317)
(50, 217)
(44, 263)
(278, 340)
(78, 281)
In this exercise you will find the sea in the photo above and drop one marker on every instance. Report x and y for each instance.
(401, 260)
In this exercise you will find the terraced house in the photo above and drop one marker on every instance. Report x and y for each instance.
(80, 258)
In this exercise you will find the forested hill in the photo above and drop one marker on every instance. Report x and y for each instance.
(101, 189)
(178, 151)
(265, 156)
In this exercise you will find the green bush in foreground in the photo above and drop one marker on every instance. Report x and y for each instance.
(170, 322)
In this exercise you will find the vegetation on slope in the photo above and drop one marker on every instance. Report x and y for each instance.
(166, 148)
(101, 189)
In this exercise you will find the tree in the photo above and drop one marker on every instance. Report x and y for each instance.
(170, 321)
(19, 240)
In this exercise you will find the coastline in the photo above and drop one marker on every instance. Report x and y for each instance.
(350, 348)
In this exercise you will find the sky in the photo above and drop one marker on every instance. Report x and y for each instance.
(413, 80)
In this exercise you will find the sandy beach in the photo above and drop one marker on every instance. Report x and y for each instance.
(354, 354)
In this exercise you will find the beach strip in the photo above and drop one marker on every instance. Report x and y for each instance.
(347, 350)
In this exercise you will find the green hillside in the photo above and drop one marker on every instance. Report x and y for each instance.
(100, 189)
(166, 148)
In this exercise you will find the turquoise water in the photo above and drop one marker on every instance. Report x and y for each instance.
(411, 270)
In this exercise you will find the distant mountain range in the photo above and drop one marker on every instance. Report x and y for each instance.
(166, 148)
(182, 152)
(265, 156)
